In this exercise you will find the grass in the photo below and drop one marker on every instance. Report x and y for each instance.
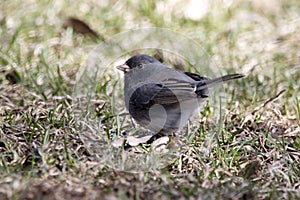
(51, 149)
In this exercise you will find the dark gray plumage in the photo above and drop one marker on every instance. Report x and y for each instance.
(163, 99)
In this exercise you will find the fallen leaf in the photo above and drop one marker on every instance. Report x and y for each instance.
(13, 77)
(134, 141)
(81, 27)
(250, 169)
(160, 145)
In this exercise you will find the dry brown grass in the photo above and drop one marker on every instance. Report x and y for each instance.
(251, 153)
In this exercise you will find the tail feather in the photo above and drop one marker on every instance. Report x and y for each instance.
(216, 81)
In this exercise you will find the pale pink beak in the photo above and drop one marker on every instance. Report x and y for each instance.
(123, 68)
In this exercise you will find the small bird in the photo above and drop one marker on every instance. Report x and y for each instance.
(163, 99)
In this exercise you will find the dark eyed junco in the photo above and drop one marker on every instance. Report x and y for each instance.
(163, 99)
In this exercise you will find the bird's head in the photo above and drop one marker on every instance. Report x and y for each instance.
(137, 61)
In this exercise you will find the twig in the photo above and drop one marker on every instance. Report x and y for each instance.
(268, 101)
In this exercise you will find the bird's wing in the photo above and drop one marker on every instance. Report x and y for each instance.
(166, 92)
(196, 77)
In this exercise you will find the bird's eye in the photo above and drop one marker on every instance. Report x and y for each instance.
(140, 66)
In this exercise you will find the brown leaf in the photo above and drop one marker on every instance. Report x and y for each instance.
(81, 27)
(250, 169)
(159, 55)
(13, 77)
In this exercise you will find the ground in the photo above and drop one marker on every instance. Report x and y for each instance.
(245, 146)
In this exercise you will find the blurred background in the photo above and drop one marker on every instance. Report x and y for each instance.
(257, 36)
